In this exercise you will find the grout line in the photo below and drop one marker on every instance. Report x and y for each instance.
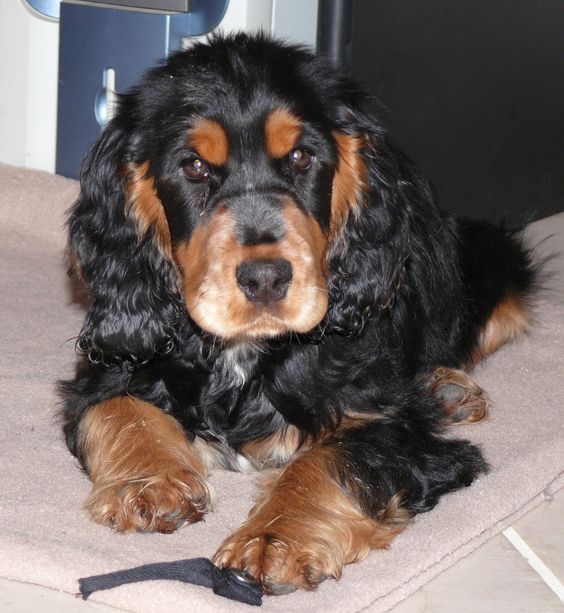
(538, 565)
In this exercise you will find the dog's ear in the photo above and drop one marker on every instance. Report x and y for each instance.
(120, 242)
(375, 188)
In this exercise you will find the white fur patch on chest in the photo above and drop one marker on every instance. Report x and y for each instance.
(238, 362)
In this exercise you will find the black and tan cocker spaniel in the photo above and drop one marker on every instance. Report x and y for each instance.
(272, 286)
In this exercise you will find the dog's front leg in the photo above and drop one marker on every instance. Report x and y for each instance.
(308, 524)
(146, 474)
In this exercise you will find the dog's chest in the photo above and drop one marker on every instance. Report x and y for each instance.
(237, 365)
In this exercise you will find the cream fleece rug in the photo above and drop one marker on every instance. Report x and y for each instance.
(45, 536)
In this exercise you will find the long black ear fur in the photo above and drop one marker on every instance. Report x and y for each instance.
(134, 300)
(378, 243)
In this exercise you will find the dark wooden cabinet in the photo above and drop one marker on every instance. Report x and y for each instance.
(473, 91)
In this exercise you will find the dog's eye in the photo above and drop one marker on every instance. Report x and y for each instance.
(301, 160)
(195, 169)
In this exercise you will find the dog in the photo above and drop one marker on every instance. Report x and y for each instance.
(273, 287)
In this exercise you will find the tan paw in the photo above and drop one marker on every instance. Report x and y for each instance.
(305, 527)
(279, 560)
(156, 503)
(463, 401)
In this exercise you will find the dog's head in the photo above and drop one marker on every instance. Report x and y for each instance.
(243, 181)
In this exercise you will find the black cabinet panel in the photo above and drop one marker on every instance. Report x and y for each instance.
(473, 91)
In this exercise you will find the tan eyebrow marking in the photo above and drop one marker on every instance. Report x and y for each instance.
(210, 141)
(282, 130)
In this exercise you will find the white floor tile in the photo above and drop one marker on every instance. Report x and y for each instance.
(493, 579)
(543, 531)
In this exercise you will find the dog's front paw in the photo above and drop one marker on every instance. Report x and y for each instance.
(154, 503)
(279, 558)
(306, 527)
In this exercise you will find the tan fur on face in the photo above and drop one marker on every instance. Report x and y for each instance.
(509, 320)
(305, 527)
(349, 183)
(144, 206)
(146, 475)
(282, 130)
(209, 261)
(209, 139)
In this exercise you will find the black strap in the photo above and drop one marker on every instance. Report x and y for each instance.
(226, 582)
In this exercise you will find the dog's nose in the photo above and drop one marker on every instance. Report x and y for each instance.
(264, 280)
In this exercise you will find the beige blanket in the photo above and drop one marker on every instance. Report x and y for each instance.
(47, 538)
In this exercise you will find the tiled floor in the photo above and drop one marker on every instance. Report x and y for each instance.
(494, 579)
(497, 578)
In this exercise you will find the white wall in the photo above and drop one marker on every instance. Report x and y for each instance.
(29, 69)
(28, 91)
(247, 15)
(295, 20)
